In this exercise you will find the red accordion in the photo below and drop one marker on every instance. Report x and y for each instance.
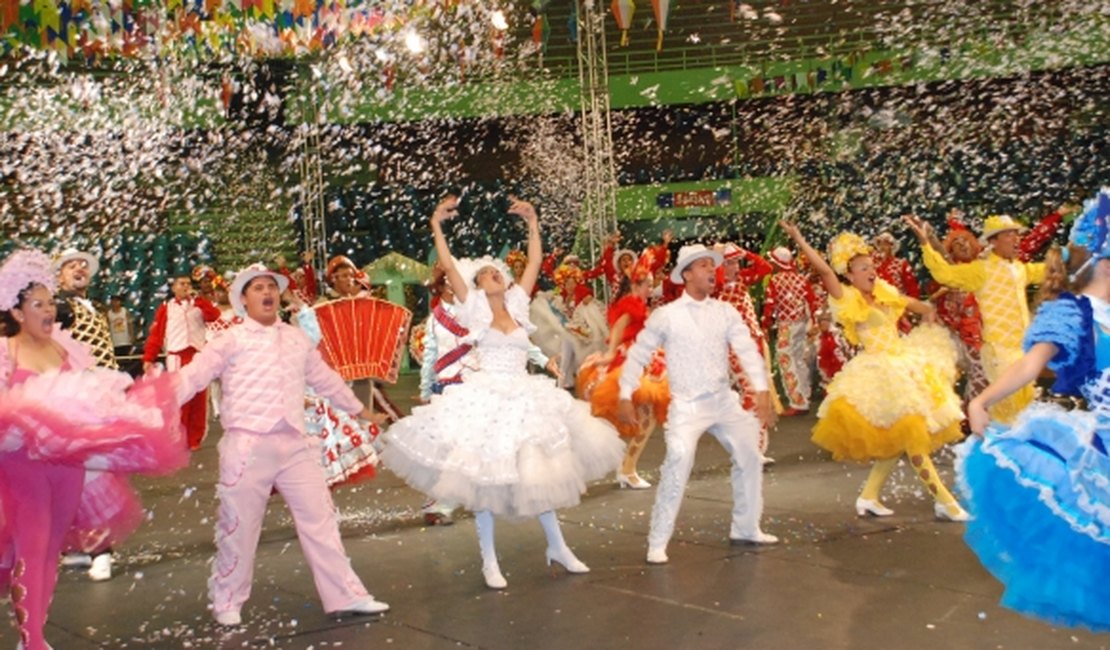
(363, 338)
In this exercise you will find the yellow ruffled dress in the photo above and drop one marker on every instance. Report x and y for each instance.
(896, 395)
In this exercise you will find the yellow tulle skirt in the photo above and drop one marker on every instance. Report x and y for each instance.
(884, 404)
(601, 388)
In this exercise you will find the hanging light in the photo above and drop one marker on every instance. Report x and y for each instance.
(498, 20)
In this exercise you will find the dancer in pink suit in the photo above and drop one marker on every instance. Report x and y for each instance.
(58, 416)
(263, 366)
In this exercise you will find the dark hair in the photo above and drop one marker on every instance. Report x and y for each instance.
(11, 325)
(624, 289)
(438, 283)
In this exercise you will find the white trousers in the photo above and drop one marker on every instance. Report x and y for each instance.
(738, 432)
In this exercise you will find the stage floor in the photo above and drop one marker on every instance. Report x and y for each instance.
(836, 581)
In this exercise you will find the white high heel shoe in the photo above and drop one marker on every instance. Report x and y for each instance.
(866, 507)
(492, 573)
(950, 512)
(632, 481)
(564, 557)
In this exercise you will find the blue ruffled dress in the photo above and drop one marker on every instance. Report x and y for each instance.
(1039, 491)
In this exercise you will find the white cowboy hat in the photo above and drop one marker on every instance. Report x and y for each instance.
(690, 254)
(235, 293)
(70, 254)
(621, 253)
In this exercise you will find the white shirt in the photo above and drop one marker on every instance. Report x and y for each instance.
(695, 336)
(119, 322)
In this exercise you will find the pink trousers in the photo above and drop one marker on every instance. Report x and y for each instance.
(251, 466)
(40, 501)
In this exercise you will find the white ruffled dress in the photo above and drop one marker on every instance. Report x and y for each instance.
(504, 440)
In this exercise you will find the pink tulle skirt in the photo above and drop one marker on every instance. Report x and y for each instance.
(98, 420)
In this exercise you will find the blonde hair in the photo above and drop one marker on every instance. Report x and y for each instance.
(1061, 276)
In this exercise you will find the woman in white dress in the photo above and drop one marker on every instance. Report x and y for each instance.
(503, 442)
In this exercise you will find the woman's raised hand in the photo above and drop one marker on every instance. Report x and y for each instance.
(447, 209)
(524, 210)
(918, 226)
(791, 229)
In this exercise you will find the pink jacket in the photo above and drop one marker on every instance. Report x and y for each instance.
(263, 371)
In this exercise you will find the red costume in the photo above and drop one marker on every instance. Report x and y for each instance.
(738, 294)
(179, 325)
(601, 385)
(789, 306)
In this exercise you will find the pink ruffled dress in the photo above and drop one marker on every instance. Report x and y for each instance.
(54, 428)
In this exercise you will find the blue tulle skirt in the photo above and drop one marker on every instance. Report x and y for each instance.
(1038, 495)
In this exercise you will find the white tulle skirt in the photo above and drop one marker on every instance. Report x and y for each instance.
(513, 444)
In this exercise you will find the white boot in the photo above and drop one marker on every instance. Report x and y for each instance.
(483, 521)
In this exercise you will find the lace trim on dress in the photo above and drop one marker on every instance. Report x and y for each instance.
(477, 316)
(851, 308)
(1067, 323)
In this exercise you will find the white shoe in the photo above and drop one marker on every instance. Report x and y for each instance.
(564, 557)
(950, 512)
(657, 556)
(767, 460)
(101, 568)
(759, 538)
(76, 560)
(872, 507)
(230, 618)
(365, 605)
(492, 573)
(632, 481)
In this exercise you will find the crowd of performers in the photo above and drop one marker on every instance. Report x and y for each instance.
(679, 346)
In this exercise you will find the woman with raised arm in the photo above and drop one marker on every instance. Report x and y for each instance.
(1037, 490)
(895, 397)
(599, 378)
(503, 442)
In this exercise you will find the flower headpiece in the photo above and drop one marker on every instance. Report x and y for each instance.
(22, 269)
(843, 248)
(516, 256)
(1090, 229)
(961, 232)
(565, 272)
(643, 268)
(203, 271)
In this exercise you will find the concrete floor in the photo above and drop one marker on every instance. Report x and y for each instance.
(836, 581)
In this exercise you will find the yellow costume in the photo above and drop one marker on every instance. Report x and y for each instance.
(999, 287)
(896, 395)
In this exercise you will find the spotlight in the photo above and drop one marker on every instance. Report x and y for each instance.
(498, 20)
(415, 42)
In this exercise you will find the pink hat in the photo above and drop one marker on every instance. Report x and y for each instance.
(22, 269)
(235, 294)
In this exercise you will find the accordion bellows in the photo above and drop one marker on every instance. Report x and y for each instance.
(363, 338)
